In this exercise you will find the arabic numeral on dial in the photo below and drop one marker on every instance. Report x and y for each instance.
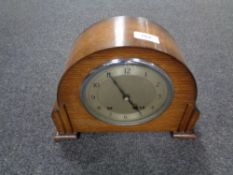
(127, 70)
(109, 107)
(125, 116)
(108, 74)
(160, 96)
(141, 107)
(145, 74)
(96, 84)
(93, 97)
(157, 84)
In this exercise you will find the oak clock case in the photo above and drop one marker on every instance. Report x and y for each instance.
(125, 74)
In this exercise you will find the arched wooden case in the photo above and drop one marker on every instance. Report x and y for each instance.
(115, 38)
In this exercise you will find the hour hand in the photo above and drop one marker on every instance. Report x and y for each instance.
(135, 107)
(125, 96)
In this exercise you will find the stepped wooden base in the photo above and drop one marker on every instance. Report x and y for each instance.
(177, 135)
(184, 135)
(60, 137)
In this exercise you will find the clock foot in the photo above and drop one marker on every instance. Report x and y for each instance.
(184, 135)
(60, 137)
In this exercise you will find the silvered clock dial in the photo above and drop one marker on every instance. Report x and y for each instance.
(126, 92)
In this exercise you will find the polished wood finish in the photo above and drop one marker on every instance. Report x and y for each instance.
(113, 38)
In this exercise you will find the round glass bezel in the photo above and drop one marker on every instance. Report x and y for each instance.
(131, 61)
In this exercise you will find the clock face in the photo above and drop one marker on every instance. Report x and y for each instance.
(126, 92)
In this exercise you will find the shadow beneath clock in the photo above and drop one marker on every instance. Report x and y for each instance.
(136, 153)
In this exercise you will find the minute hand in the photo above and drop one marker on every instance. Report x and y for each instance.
(119, 88)
(125, 96)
